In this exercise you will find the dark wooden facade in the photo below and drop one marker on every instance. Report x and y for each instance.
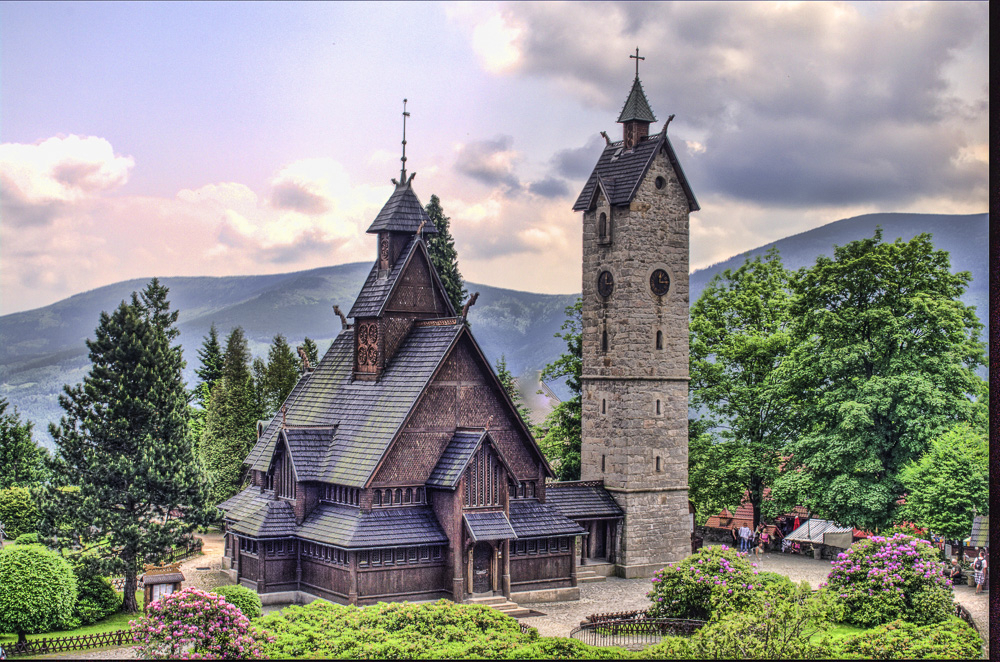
(399, 468)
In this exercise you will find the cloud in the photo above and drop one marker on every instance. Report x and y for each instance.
(489, 162)
(578, 162)
(793, 104)
(550, 187)
(290, 195)
(38, 180)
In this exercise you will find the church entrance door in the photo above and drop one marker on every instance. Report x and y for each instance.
(482, 562)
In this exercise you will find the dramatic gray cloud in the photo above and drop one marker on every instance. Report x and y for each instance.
(550, 187)
(490, 162)
(295, 197)
(799, 104)
(578, 162)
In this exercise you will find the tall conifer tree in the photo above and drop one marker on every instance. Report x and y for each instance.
(281, 374)
(210, 355)
(22, 461)
(231, 419)
(124, 442)
(444, 257)
(561, 432)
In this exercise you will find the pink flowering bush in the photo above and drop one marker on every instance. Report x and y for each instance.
(710, 577)
(194, 625)
(882, 579)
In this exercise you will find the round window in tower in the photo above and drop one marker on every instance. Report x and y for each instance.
(659, 182)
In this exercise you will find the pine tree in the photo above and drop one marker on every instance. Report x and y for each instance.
(231, 420)
(562, 430)
(444, 257)
(510, 385)
(210, 355)
(22, 461)
(124, 443)
(280, 376)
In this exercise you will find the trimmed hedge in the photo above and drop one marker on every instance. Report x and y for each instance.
(951, 639)
(37, 590)
(242, 598)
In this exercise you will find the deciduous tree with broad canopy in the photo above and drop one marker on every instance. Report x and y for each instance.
(884, 362)
(124, 442)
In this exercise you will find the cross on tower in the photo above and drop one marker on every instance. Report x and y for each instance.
(636, 58)
(402, 170)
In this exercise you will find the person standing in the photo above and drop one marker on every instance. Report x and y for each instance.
(979, 570)
(765, 539)
(745, 535)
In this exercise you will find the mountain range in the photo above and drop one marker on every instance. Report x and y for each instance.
(44, 348)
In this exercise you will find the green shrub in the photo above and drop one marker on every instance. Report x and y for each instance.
(242, 598)
(951, 639)
(37, 591)
(17, 511)
(686, 589)
(392, 631)
(564, 648)
(26, 539)
(881, 579)
(96, 598)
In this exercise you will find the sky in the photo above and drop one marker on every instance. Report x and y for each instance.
(211, 139)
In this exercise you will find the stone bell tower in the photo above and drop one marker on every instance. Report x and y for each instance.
(635, 337)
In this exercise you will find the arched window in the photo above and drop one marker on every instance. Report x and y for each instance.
(659, 340)
(604, 341)
(408, 497)
(387, 499)
(603, 228)
(377, 498)
(398, 498)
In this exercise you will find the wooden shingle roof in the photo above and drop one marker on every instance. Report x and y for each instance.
(491, 525)
(622, 170)
(581, 501)
(402, 213)
(267, 518)
(367, 414)
(455, 458)
(531, 519)
(351, 528)
(636, 106)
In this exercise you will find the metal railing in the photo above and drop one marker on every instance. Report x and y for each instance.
(58, 644)
(631, 630)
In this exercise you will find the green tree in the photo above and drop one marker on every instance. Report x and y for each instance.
(949, 482)
(444, 257)
(280, 375)
(510, 385)
(231, 420)
(210, 356)
(18, 512)
(37, 590)
(884, 362)
(740, 340)
(561, 432)
(124, 442)
(715, 472)
(22, 461)
(312, 353)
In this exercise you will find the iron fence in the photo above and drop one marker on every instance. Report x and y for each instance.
(632, 632)
(59, 644)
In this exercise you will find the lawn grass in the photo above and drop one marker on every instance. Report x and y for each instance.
(113, 622)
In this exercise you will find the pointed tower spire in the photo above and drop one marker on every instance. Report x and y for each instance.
(636, 114)
(402, 170)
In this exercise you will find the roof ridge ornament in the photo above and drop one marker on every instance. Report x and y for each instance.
(403, 181)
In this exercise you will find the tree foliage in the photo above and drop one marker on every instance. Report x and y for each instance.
(210, 356)
(231, 420)
(561, 432)
(510, 386)
(18, 512)
(124, 442)
(280, 375)
(884, 362)
(22, 461)
(444, 257)
(312, 353)
(949, 482)
(715, 472)
(740, 342)
(37, 590)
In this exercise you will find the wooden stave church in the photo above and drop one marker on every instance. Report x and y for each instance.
(399, 468)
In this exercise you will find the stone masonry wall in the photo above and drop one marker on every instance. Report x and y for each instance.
(623, 433)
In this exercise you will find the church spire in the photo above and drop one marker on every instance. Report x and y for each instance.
(402, 169)
(636, 114)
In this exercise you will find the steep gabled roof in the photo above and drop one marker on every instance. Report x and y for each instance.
(368, 414)
(269, 518)
(531, 519)
(622, 170)
(457, 455)
(402, 213)
(636, 106)
(376, 292)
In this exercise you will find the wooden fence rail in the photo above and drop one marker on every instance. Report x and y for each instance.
(58, 644)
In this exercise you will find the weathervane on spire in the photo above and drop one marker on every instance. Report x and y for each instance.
(631, 57)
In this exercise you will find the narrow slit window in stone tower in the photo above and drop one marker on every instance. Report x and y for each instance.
(658, 407)
(604, 341)
(604, 406)
(657, 464)
(603, 462)
(659, 340)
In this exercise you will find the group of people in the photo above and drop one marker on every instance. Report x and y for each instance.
(979, 567)
(749, 540)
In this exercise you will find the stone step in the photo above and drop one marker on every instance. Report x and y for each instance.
(589, 579)
(490, 600)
